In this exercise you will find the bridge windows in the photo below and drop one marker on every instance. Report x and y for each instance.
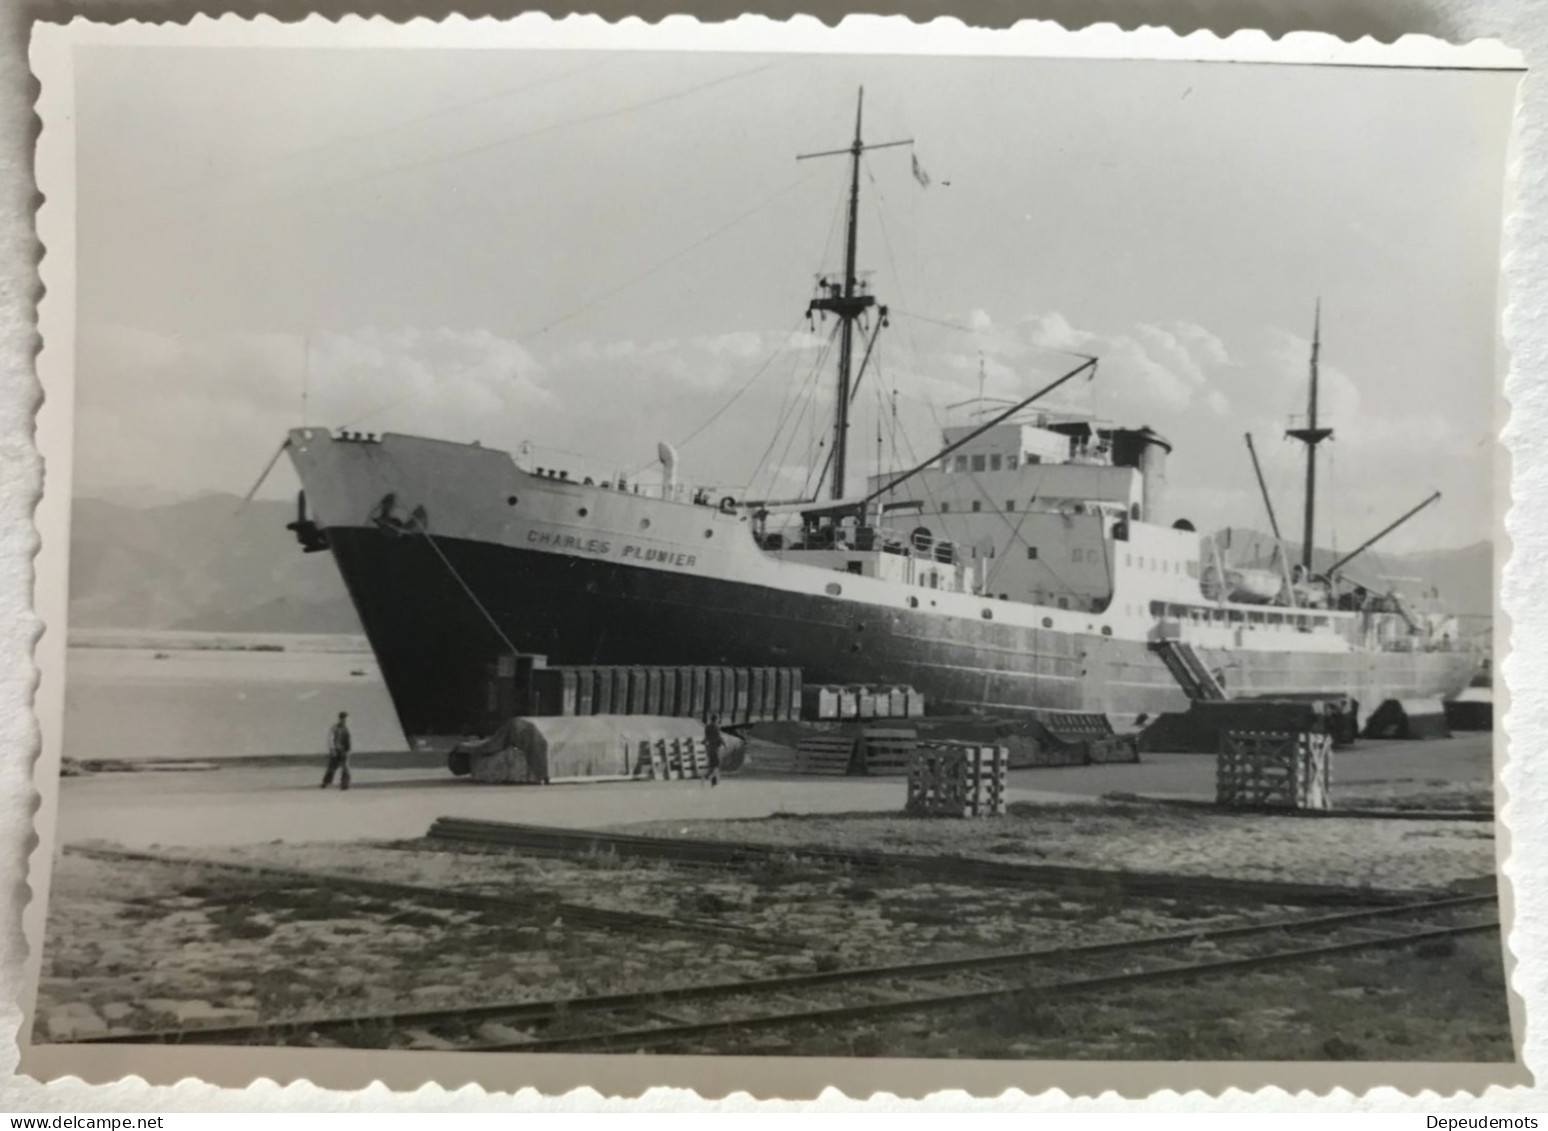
(978, 463)
(962, 463)
(994, 461)
(977, 506)
(1031, 553)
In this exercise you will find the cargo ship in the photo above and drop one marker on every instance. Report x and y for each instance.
(1032, 564)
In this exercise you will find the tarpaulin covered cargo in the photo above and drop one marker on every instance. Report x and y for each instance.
(1030, 742)
(567, 748)
(1199, 731)
(1408, 718)
(1472, 710)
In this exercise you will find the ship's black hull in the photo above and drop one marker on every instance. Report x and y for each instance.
(431, 618)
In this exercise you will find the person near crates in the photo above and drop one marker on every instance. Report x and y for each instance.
(714, 742)
(338, 752)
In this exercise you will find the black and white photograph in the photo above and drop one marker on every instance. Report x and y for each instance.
(569, 547)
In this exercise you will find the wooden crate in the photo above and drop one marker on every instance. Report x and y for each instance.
(957, 779)
(672, 759)
(887, 750)
(775, 759)
(1282, 769)
(824, 753)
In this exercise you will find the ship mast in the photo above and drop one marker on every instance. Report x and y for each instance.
(1311, 436)
(843, 299)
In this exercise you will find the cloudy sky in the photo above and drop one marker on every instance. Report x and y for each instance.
(592, 252)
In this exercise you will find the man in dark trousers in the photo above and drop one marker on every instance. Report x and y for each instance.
(338, 752)
(713, 743)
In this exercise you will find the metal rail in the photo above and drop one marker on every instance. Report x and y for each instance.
(652, 1036)
(540, 840)
(630, 1006)
(540, 907)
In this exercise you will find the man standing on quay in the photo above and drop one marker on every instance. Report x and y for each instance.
(338, 752)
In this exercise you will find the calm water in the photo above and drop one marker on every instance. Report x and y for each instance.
(201, 701)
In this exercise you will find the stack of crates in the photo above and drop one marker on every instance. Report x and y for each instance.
(739, 696)
(887, 750)
(675, 759)
(833, 703)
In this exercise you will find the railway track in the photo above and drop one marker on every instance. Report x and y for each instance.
(541, 909)
(715, 1017)
(536, 840)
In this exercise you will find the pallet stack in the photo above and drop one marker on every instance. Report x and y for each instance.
(887, 750)
(833, 703)
(824, 753)
(677, 759)
(739, 696)
(1275, 769)
(957, 779)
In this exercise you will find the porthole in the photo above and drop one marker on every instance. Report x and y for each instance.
(583, 512)
(1107, 630)
(1048, 622)
(709, 534)
(987, 614)
(913, 602)
(644, 524)
(833, 588)
(510, 500)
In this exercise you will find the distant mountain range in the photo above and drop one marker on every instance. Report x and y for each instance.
(1464, 577)
(207, 564)
(211, 564)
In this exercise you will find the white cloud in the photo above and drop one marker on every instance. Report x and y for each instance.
(193, 414)
(741, 344)
(1165, 367)
(1338, 397)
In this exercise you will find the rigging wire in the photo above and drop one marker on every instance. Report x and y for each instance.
(418, 526)
(794, 329)
(1014, 527)
(741, 389)
(793, 415)
(595, 300)
(834, 224)
(511, 139)
(165, 191)
(897, 280)
(466, 588)
(787, 402)
(960, 328)
(671, 259)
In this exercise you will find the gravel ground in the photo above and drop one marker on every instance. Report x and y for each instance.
(1351, 852)
(134, 946)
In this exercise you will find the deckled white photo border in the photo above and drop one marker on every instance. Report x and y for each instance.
(52, 62)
